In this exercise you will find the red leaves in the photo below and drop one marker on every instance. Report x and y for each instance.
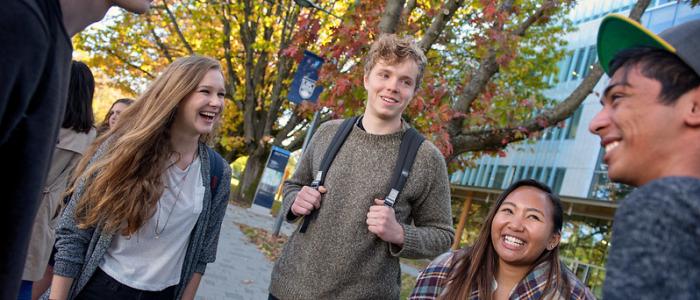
(291, 51)
(441, 139)
(489, 9)
(418, 103)
(342, 86)
(305, 34)
(526, 102)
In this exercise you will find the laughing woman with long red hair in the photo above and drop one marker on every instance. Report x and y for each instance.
(144, 218)
(516, 255)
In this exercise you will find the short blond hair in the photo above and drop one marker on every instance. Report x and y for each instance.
(393, 50)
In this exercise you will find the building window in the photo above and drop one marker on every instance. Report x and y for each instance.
(485, 176)
(601, 186)
(573, 125)
(558, 180)
(526, 172)
(538, 173)
(564, 72)
(545, 134)
(474, 175)
(557, 133)
(579, 60)
(592, 58)
(456, 177)
(465, 177)
(516, 174)
(545, 176)
(500, 177)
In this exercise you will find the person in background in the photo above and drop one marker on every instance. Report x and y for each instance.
(76, 134)
(35, 61)
(649, 127)
(144, 218)
(113, 114)
(515, 256)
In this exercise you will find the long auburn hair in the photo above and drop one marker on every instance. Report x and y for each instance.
(124, 184)
(474, 268)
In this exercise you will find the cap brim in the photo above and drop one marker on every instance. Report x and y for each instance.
(617, 33)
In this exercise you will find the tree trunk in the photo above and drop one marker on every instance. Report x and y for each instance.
(250, 177)
(392, 15)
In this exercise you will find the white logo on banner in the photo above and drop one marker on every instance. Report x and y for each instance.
(307, 87)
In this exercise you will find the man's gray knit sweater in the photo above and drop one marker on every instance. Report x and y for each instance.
(655, 253)
(337, 257)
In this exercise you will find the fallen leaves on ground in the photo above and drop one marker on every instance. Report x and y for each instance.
(268, 244)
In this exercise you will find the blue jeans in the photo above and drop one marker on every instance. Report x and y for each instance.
(103, 287)
(25, 290)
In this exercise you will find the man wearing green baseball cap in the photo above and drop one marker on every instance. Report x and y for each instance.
(650, 129)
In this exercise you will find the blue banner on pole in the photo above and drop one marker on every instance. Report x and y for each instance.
(304, 86)
(272, 177)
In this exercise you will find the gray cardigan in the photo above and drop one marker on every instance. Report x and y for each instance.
(80, 251)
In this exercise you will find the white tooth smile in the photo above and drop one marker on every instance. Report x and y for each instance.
(392, 100)
(611, 146)
(513, 240)
(208, 114)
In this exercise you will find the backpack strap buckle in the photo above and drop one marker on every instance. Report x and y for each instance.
(391, 198)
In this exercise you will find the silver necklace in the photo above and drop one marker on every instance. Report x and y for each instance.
(177, 197)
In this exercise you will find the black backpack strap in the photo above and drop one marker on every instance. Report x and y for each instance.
(320, 177)
(216, 170)
(410, 143)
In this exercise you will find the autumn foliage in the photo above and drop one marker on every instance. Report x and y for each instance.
(489, 65)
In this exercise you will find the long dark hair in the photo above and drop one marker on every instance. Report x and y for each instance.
(78, 115)
(474, 268)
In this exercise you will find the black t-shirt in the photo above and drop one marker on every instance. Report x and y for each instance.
(35, 56)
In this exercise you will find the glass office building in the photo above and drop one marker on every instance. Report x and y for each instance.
(568, 158)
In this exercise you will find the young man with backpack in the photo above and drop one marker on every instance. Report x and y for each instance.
(361, 214)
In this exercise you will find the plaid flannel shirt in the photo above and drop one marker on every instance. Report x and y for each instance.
(431, 283)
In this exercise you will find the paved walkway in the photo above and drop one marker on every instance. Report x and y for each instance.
(241, 271)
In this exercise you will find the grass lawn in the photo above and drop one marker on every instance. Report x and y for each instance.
(407, 284)
(419, 264)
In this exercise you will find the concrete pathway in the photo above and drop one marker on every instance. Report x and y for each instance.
(241, 271)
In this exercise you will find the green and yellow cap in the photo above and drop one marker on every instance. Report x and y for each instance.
(618, 33)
